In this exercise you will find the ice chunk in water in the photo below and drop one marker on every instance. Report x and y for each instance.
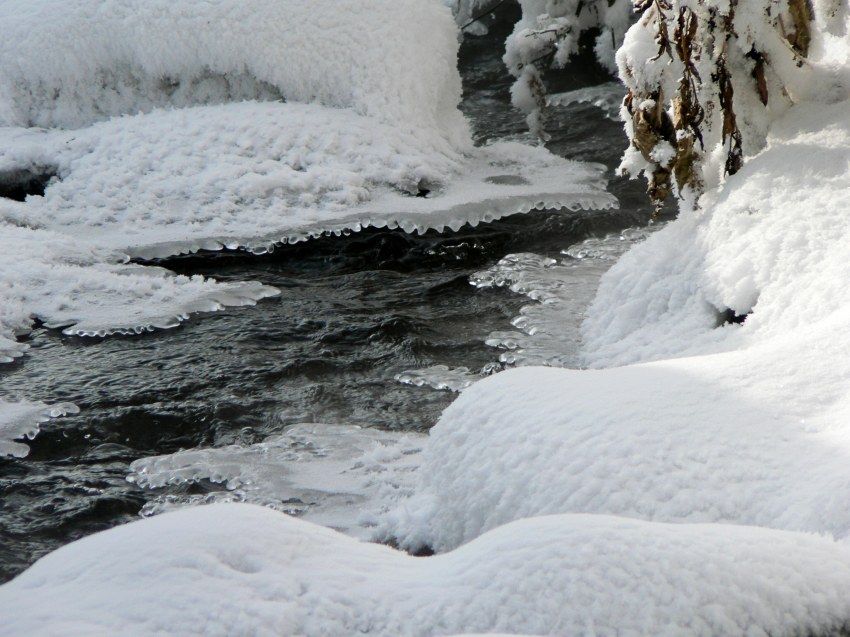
(439, 377)
(608, 97)
(340, 476)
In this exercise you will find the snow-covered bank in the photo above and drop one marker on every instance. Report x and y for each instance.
(748, 424)
(368, 132)
(260, 572)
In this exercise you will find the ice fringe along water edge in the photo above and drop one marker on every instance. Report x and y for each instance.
(21, 420)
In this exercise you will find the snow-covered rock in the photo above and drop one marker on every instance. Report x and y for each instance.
(244, 570)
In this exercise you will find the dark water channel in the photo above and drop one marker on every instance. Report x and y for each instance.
(353, 312)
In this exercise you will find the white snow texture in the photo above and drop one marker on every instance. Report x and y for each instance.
(657, 470)
(259, 572)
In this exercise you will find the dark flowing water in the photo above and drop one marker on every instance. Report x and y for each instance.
(353, 312)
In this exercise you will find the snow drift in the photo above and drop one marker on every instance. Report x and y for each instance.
(357, 123)
(260, 572)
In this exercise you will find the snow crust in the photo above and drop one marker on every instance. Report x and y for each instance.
(260, 572)
(21, 420)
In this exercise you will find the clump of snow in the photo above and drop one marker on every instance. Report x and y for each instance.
(21, 420)
(260, 572)
(341, 476)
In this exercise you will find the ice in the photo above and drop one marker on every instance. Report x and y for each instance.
(441, 377)
(70, 284)
(548, 331)
(239, 569)
(608, 97)
(21, 420)
(342, 476)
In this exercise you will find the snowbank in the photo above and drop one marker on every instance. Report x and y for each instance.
(260, 572)
(749, 425)
(67, 64)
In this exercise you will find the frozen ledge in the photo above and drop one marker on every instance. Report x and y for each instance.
(22, 420)
(454, 218)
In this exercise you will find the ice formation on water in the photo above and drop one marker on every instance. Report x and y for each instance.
(607, 97)
(442, 377)
(257, 571)
(341, 476)
(548, 330)
(21, 420)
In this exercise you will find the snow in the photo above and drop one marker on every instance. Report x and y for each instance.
(21, 420)
(260, 572)
(693, 481)
(257, 174)
(743, 424)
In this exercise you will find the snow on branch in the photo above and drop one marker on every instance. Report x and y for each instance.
(707, 77)
(548, 36)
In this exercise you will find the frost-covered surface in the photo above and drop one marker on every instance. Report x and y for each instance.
(69, 63)
(256, 174)
(336, 475)
(20, 421)
(260, 572)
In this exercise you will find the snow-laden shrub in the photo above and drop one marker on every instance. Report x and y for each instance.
(548, 36)
(707, 77)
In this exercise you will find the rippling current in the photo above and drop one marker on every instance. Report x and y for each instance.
(354, 313)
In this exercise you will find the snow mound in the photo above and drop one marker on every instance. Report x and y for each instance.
(340, 476)
(774, 246)
(259, 174)
(68, 64)
(257, 571)
(21, 420)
